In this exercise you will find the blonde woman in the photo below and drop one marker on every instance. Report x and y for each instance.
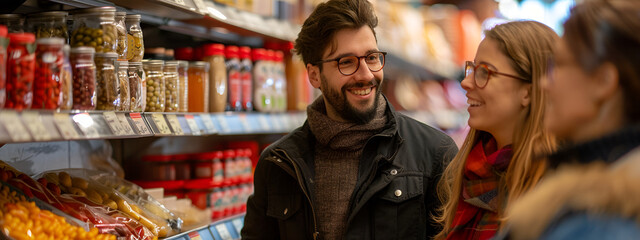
(497, 162)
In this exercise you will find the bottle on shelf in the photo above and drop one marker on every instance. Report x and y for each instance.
(246, 78)
(171, 78)
(262, 81)
(234, 100)
(214, 55)
(198, 86)
(183, 86)
(279, 82)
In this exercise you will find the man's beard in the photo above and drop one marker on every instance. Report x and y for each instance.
(339, 102)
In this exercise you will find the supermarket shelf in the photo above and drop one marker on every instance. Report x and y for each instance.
(29, 126)
(224, 229)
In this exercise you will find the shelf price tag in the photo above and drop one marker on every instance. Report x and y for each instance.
(191, 121)
(223, 231)
(237, 224)
(86, 124)
(125, 124)
(245, 123)
(264, 122)
(277, 123)
(161, 124)
(208, 123)
(34, 124)
(139, 123)
(65, 126)
(175, 124)
(114, 123)
(224, 126)
(14, 126)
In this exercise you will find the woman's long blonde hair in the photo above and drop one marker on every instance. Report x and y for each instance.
(529, 45)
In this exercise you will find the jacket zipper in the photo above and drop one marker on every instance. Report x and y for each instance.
(304, 190)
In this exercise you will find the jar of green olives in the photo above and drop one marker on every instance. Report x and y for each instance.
(107, 79)
(48, 25)
(137, 86)
(95, 27)
(171, 86)
(155, 85)
(121, 29)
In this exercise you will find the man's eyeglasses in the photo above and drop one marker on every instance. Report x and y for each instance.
(482, 73)
(349, 65)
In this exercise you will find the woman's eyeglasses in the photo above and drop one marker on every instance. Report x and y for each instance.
(482, 73)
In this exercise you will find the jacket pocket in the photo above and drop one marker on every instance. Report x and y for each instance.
(400, 211)
(285, 208)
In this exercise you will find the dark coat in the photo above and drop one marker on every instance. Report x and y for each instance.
(394, 197)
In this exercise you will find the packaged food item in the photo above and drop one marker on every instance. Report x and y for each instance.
(121, 29)
(230, 167)
(4, 42)
(214, 55)
(262, 81)
(20, 70)
(122, 69)
(246, 79)
(47, 87)
(209, 166)
(84, 78)
(95, 27)
(183, 86)
(48, 25)
(217, 203)
(171, 78)
(280, 83)
(66, 79)
(155, 85)
(185, 53)
(135, 42)
(198, 86)
(234, 94)
(298, 85)
(107, 80)
(159, 168)
(13, 22)
(137, 86)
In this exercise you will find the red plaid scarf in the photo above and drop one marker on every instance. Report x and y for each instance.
(476, 216)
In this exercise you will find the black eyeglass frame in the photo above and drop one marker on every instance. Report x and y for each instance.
(475, 67)
(384, 60)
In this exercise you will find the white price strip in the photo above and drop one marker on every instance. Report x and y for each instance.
(86, 124)
(208, 123)
(277, 124)
(223, 231)
(195, 130)
(139, 123)
(223, 123)
(237, 224)
(161, 124)
(264, 123)
(175, 124)
(65, 126)
(34, 124)
(245, 123)
(14, 126)
(125, 124)
(114, 123)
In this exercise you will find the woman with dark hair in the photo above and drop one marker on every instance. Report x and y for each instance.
(593, 96)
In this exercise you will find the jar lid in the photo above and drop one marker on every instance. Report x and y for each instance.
(48, 14)
(248, 152)
(157, 158)
(133, 17)
(107, 55)
(50, 41)
(229, 153)
(171, 63)
(121, 14)
(135, 63)
(185, 53)
(269, 55)
(198, 64)
(179, 157)
(11, 16)
(245, 52)
(210, 155)
(278, 56)
(183, 64)
(231, 52)
(122, 63)
(82, 50)
(22, 37)
(240, 153)
(213, 49)
(3, 31)
(258, 54)
(153, 63)
(106, 9)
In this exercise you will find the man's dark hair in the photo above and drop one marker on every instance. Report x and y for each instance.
(327, 19)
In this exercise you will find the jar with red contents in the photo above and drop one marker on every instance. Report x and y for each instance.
(20, 70)
(246, 166)
(47, 86)
(216, 201)
(209, 165)
(230, 173)
(4, 41)
(160, 168)
(182, 166)
(84, 78)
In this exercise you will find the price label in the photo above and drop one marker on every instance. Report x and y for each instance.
(14, 126)
(245, 123)
(139, 123)
(86, 124)
(34, 124)
(223, 123)
(195, 235)
(161, 124)
(114, 123)
(237, 224)
(208, 123)
(264, 122)
(224, 232)
(175, 124)
(65, 126)
(191, 122)
(277, 124)
(125, 124)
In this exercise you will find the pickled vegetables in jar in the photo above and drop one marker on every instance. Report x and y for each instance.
(95, 27)
(47, 87)
(107, 82)
(20, 70)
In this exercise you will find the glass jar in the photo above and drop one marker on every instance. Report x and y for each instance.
(84, 78)
(155, 85)
(20, 70)
(107, 80)
(135, 42)
(47, 85)
(246, 78)
(4, 41)
(66, 80)
(49, 24)
(14, 22)
(214, 55)
(183, 79)
(262, 93)
(137, 86)
(170, 72)
(279, 83)
(234, 95)
(198, 86)
(122, 69)
(95, 27)
(209, 165)
(121, 29)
